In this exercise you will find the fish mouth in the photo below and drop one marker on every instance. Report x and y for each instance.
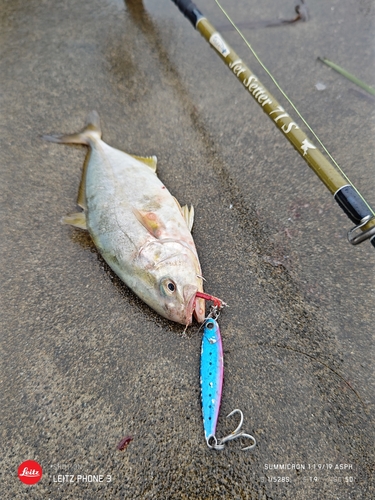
(193, 305)
(199, 309)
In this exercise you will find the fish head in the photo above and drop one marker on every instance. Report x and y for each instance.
(174, 278)
(178, 297)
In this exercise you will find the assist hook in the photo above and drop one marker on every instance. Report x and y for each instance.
(237, 433)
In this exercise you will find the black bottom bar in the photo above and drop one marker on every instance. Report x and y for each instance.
(352, 204)
(189, 10)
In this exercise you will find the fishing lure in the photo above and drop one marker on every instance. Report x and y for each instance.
(211, 378)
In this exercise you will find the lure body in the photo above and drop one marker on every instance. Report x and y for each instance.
(211, 377)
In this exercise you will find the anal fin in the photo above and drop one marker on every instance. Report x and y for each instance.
(81, 199)
(77, 220)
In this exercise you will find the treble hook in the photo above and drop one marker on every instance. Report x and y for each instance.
(237, 433)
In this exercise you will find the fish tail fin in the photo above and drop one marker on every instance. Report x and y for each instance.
(91, 131)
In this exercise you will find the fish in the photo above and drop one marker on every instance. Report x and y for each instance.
(138, 227)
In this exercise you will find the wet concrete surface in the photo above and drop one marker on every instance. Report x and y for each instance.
(84, 362)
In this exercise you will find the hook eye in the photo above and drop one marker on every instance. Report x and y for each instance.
(214, 445)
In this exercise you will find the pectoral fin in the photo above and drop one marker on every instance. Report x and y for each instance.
(77, 220)
(150, 161)
(150, 221)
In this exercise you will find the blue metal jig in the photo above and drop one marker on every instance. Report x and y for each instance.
(212, 373)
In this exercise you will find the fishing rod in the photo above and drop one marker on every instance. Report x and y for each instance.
(344, 192)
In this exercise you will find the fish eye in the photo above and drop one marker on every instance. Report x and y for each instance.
(169, 286)
(210, 325)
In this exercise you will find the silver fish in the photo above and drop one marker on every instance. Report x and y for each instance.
(139, 228)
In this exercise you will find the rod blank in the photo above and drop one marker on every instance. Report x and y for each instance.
(348, 198)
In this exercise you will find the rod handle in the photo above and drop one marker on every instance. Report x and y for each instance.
(352, 204)
(189, 10)
(358, 212)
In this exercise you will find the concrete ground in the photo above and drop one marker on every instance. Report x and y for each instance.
(84, 362)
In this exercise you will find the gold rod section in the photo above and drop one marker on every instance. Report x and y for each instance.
(310, 153)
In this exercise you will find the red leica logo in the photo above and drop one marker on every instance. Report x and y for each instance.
(30, 472)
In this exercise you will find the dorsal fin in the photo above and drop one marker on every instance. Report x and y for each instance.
(150, 161)
(187, 214)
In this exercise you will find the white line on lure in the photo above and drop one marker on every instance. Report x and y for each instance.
(211, 378)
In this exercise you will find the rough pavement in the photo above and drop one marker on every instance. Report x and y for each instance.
(84, 362)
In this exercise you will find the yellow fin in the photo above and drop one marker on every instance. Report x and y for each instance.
(77, 220)
(150, 221)
(150, 161)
